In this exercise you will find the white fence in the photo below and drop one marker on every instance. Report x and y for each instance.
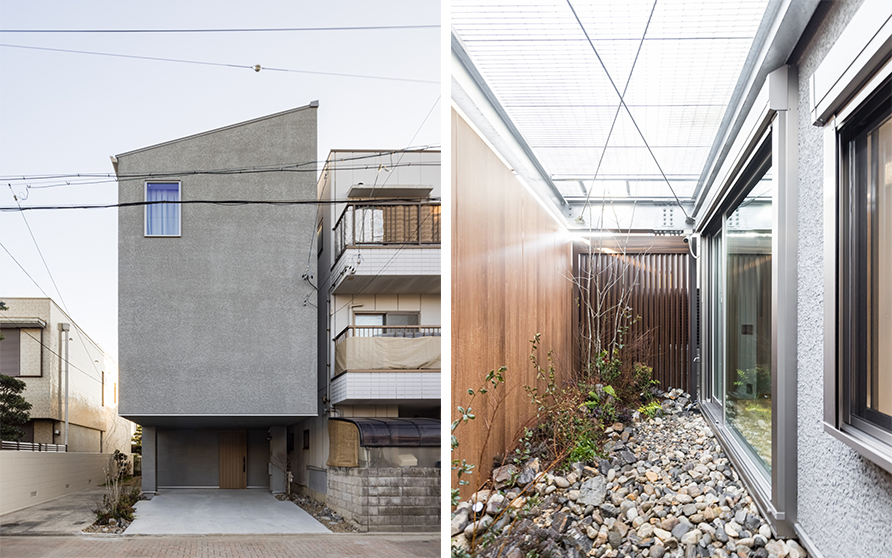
(32, 477)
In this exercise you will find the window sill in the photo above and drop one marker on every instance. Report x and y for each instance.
(162, 236)
(869, 447)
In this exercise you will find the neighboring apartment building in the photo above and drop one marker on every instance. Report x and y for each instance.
(373, 453)
(217, 325)
(792, 230)
(82, 414)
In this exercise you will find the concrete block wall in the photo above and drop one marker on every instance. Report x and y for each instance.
(395, 499)
(30, 478)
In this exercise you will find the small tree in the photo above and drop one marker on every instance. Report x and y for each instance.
(13, 408)
(136, 440)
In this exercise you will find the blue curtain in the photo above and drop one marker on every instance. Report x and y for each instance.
(162, 218)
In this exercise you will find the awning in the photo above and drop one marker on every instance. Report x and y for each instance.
(396, 432)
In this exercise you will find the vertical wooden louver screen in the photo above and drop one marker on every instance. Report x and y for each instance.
(656, 287)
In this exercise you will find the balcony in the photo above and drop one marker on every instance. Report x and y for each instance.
(387, 248)
(383, 364)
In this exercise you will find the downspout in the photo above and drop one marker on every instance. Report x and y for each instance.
(65, 328)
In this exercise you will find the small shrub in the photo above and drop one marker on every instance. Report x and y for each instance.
(650, 409)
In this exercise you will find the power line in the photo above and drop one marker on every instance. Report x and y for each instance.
(50, 273)
(308, 166)
(382, 202)
(63, 359)
(256, 67)
(226, 30)
(25, 271)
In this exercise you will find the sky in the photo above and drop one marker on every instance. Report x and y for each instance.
(67, 113)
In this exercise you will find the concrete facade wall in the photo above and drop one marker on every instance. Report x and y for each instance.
(845, 501)
(31, 478)
(399, 499)
(192, 309)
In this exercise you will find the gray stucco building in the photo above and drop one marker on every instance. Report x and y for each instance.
(216, 319)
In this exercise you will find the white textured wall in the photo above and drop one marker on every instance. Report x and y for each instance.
(845, 501)
(28, 478)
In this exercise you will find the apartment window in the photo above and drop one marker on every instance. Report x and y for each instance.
(386, 319)
(306, 439)
(864, 273)
(10, 355)
(163, 219)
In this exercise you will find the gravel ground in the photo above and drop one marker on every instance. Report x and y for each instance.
(665, 489)
(323, 514)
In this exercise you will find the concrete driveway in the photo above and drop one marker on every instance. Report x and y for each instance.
(220, 512)
(65, 515)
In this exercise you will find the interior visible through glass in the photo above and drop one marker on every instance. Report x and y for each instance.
(879, 369)
(748, 232)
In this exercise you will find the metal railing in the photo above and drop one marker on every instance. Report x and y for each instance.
(364, 224)
(28, 446)
(387, 331)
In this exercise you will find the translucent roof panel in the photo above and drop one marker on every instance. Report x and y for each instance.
(536, 59)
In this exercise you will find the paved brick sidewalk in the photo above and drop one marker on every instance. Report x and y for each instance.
(274, 546)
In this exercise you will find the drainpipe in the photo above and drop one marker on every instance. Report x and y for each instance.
(65, 328)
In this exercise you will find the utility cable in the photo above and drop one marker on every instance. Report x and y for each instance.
(50, 273)
(403, 154)
(233, 203)
(629, 112)
(256, 67)
(25, 271)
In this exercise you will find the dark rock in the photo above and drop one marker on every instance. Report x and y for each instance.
(504, 476)
(760, 553)
(609, 510)
(680, 529)
(615, 539)
(752, 522)
(577, 539)
(560, 522)
(721, 535)
(628, 457)
(657, 551)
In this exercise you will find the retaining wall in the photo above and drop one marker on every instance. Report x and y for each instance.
(393, 499)
(28, 478)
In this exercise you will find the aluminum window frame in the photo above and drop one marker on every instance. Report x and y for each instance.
(179, 234)
(860, 436)
(773, 119)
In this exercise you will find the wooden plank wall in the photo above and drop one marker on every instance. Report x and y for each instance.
(658, 287)
(511, 279)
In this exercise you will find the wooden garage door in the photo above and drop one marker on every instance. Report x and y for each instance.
(233, 459)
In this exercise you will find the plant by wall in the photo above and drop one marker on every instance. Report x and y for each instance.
(569, 419)
(14, 410)
(462, 468)
(117, 502)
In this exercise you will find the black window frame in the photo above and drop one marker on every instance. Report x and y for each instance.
(852, 276)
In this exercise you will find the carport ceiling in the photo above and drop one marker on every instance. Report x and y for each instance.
(678, 62)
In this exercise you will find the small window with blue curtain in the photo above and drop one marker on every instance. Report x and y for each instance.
(162, 219)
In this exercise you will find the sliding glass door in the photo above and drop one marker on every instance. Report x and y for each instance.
(748, 309)
(739, 320)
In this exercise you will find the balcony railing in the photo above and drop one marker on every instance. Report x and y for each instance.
(387, 348)
(383, 224)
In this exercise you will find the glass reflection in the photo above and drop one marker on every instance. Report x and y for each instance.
(748, 311)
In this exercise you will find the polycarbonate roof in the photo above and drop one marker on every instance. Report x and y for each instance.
(536, 59)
